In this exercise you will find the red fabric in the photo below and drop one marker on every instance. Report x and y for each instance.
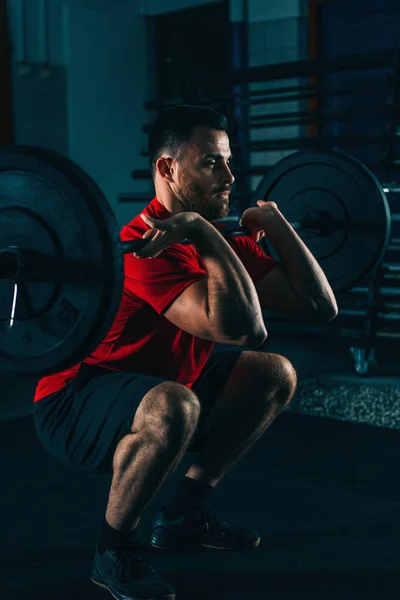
(141, 338)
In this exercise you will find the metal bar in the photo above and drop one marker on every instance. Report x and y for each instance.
(391, 127)
(304, 68)
(391, 277)
(390, 316)
(310, 95)
(258, 170)
(306, 142)
(388, 335)
(288, 94)
(335, 88)
(305, 118)
(141, 174)
(331, 89)
(240, 110)
(326, 88)
(43, 34)
(384, 291)
(293, 329)
(391, 268)
(318, 120)
(334, 114)
(316, 222)
(138, 244)
(390, 306)
(6, 97)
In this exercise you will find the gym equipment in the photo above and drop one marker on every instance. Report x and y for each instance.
(61, 256)
(339, 209)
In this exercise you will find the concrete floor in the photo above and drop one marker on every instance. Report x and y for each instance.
(324, 495)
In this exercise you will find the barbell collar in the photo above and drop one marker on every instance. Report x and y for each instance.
(11, 263)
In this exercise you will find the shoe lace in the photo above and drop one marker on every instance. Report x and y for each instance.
(132, 562)
(212, 521)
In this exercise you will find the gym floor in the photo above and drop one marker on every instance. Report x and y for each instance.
(323, 492)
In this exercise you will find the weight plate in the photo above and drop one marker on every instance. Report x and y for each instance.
(66, 303)
(337, 183)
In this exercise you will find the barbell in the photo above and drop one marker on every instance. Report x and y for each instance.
(61, 254)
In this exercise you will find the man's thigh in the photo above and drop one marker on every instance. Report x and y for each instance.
(82, 424)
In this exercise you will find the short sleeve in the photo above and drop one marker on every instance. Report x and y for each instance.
(159, 281)
(256, 262)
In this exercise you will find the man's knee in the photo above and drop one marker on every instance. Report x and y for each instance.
(286, 372)
(168, 411)
(271, 372)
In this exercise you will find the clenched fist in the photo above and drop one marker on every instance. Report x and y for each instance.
(165, 233)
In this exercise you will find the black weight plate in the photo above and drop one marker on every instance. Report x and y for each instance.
(332, 181)
(60, 219)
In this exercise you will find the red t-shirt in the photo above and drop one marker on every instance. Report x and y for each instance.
(141, 339)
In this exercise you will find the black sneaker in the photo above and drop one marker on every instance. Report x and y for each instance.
(125, 572)
(200, 528)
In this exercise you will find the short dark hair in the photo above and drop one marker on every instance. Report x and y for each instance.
(175, 125)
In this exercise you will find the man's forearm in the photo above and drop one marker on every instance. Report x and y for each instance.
(233, 304)
(305, 275)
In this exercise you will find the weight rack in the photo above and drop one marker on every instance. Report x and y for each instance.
(349, 103)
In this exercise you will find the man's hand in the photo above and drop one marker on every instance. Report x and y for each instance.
(165, 233)
(254, 219)
(313, 298)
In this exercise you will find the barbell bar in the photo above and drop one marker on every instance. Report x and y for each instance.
(318, 223)
(61, 251)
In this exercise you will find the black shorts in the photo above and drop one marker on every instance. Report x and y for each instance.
(82, 424)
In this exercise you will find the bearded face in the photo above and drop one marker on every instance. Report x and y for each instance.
(203, 179)
(210, 204)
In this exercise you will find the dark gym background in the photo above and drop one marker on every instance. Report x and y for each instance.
(85, 77)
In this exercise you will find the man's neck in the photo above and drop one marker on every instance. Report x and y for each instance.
(169, 202)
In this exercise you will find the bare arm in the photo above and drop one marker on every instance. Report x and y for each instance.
(224, 307)
(298, 288)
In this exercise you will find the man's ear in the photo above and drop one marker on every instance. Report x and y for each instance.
(165, 168)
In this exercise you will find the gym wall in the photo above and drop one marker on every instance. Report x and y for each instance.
(277, 34)
(80, 77)
(90, 105)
